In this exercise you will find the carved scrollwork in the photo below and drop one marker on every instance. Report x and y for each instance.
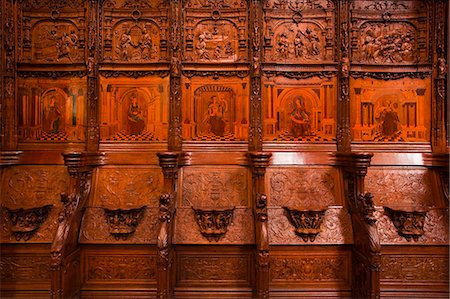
(409, 224)
(306, 222)
(215, 74)
(391, 75)
(134, 74)
(51, 74)
(123, 223)
(213, 224)
(26, 222)
(299, 75)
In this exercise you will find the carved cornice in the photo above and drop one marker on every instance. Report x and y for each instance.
(215, 74)
(299, 75)
(134, 74)
(306, 222)
(8, 158)
(259, 161)
(391, 76)
(26, 222)
(51, 74)
(123, 223)
(168, 161)
(354, 162)
(409, 224)
(213, 224)
(83, 161)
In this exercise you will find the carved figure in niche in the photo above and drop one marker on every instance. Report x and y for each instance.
(388, 119)
(136, 122)
(442, 67)
(52, 116)
(216, 110)
(300, 119)
(283, 45)
(202, 52)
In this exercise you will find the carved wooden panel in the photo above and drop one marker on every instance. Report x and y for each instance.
(215, 110)
(25, 268)
(414, 269)
(300, 111)
(299, 31)
(52, 31)
(215, 31)
(214, 188)
(297, 187)
(30, 187)
(95, 230)
(389, 32)
(313, 270)
(214, 270)
(402, 187)
(135, 31)
(390, 111)
(134, 109)
(52, 110)
(336, 228)
(126, 188)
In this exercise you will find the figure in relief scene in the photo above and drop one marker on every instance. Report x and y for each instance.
(300, 119)
(146, 45)
(283, 45)
(125, 44)
(216, 111)
(52, 116)
(135, 118)
(66, 46)
(314, 43)
(298, 44)
(388, 119)
(202, 52)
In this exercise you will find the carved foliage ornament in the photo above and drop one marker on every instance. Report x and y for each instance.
(26, 222)
(409, 224)
(123, 223)
(213, 224)
(306, 222)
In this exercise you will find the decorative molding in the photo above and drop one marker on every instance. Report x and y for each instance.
(215, 74)
(409, 224)
(8, 158)
(123, 223)
(306, 222)
(299, 75)
(24, 268)
(391, 75)
(51, 74)
(213, 224)
(134, 74)
(121, 267)
(26, 222)
(414, 268)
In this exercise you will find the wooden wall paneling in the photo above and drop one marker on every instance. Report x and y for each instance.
(65, 252)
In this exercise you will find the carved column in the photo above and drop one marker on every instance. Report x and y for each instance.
(366, 250)
(94, 38)
(256, 38)
(169, 164)
(174, 137)
(440, 69)
(64, 252)
(259, 161)
(343, 124)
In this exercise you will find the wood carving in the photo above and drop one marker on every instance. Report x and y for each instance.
(414, 268)
(306, 222)
(409, 224)
(123, 223)
(213, 224)
(26, 222)
(121, 267)
(25, 268)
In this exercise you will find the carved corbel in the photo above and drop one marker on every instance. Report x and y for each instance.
(123, 223)
(8, 158)
(213, 224)
(26, 222)
(409, 223)
(306, 222)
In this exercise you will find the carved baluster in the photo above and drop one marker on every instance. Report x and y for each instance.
(259, 161)
(169, 164)
(65, 243)
(366, 251)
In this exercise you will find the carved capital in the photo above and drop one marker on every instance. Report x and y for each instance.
(77, 162)
(355, 163)
(213, 224)
(259, 161)
(169, 163)
(123, 223)
(8, 158)
(306, 222)
(409, 223)
(26, 222)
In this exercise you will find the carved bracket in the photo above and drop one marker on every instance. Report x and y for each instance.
(366, 207)
(409, 224)
(306, 222)
(123, 223)
(26, 222)
(213, 223)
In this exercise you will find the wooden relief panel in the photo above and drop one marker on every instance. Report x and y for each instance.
(390, 111)
(52, 31)
(389, 32)
(52, 110)
(214, 270)
(25, 268)
(126, 188)
(299, 31)
(31, 187)
(134, 109)
(215, 110)
(300, 111)
(414, 269)
(215, 31)
(135, 31)
(298, 187)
